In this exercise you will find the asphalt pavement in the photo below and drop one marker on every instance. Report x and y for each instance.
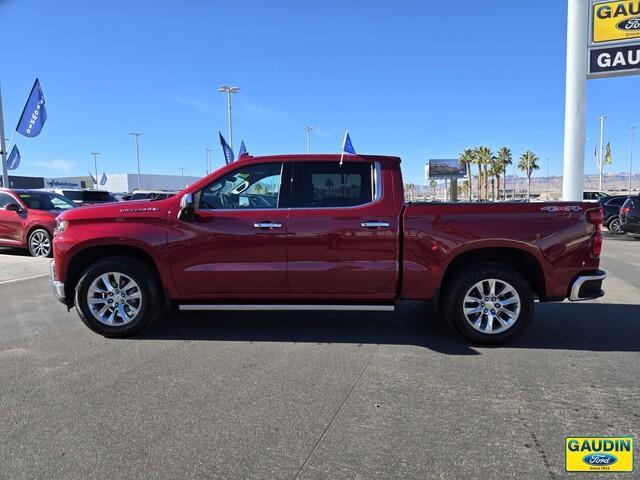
(313, 395)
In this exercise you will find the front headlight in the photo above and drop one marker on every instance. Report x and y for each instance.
(61, 226)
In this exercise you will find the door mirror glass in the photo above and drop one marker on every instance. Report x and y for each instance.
(186, 207)
(13, 207)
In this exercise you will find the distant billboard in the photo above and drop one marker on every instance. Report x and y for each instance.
(444, 168)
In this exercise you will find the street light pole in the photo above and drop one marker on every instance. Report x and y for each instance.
(95, 165)
(208, 150)
(181, 178)
(137, 134)
(3, 148)
(601, 160)
(229, 90)
(308, 130)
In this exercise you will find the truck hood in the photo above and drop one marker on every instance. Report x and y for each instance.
(119, 210)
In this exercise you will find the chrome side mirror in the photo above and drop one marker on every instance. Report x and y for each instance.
(186, 208)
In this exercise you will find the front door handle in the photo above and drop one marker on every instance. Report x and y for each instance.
(374, 224)
(268, 225)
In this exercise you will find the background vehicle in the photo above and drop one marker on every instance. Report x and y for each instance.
(27, 219)
(593, 196)
(83, 196)
(630, 215)
(336, 237)
(150, 195)
(611, 208)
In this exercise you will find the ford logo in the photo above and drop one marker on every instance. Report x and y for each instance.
(629, 24)
(600, 459)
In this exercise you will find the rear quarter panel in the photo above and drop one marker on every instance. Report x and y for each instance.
(435, 234)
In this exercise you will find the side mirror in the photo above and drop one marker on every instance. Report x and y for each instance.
(186, 208)
(13, 207)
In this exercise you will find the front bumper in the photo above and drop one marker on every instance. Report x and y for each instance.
(58, 287)
(587, 286)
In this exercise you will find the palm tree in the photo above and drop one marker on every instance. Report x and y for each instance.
(409, 188)
(495, 169)
(505, 159)
(477, 160)
(433, 184)
(528, 163)
(483, 158)
(466, 159)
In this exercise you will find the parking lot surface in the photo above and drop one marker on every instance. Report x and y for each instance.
(312, 395)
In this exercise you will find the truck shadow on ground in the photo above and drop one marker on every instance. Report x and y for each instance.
(567, 326)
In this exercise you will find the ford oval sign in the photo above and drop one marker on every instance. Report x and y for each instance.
(630, 24)
(600, 459)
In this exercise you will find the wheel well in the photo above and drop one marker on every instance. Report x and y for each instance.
(36, 227)
(519, 260)
(81, 261)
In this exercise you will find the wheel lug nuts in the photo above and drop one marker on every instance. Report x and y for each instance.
(493, 311)
(482, 304)
(485, 310)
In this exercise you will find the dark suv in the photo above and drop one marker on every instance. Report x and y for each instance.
(611, 207)
(630, 215)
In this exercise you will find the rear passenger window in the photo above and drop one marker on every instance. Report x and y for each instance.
(329, 184)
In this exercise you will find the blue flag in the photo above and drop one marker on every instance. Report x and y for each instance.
(347, 147)
(243, 150)
(14, 158)
(228, 153)
(34, 114)
(93, 180)
(103, 180)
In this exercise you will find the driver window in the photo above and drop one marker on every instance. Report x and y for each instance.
(251, 187)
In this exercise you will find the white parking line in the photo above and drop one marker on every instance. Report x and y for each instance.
(24, 278)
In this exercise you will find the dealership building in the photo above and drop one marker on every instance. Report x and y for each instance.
(115, 182)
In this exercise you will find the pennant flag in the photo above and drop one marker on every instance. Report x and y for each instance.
(93, 180)
(13, 161)
(607, 155)
(243, 150)
(347, 146)
(228, 153)
(103, 180)
(34, 114)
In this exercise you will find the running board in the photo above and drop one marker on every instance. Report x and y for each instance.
(249, 307)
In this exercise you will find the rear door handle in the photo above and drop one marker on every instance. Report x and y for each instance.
(267, 225)
(374, 224)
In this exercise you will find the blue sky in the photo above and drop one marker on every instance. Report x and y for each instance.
(419, 79)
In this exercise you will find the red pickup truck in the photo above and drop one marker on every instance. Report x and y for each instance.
(307, 232)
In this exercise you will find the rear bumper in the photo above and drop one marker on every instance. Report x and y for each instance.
(587, 286)
(58, 287)
(630, 227)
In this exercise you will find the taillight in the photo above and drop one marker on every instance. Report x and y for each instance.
(625, 210)
(595, 217)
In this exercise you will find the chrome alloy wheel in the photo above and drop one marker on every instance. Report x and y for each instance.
(615, 226)
(40, 244)
(492, 306)
(114, 299)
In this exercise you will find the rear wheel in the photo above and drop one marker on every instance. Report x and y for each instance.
(615, 226)
(118, 297)
(39, 242)
(489, 303)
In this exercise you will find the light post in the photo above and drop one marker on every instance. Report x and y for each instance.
(95, 165)
(3, 149)
(601, 160)
(208, 150)
(631, 129)
(137, 134)
(181, 178)
(229, 90)
(308, 129)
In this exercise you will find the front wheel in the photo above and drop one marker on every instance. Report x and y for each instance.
(615, 226)
(39, 242)
(118, 297)
(489, 303)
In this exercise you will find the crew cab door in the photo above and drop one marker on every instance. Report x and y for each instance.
(10, 222)
(343, 232)
(236, 242)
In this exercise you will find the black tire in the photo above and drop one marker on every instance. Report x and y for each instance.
(40, 243)
(459, 287)
(614, 226)
(150, 305)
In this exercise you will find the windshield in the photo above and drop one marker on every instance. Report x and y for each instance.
(45, 201)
